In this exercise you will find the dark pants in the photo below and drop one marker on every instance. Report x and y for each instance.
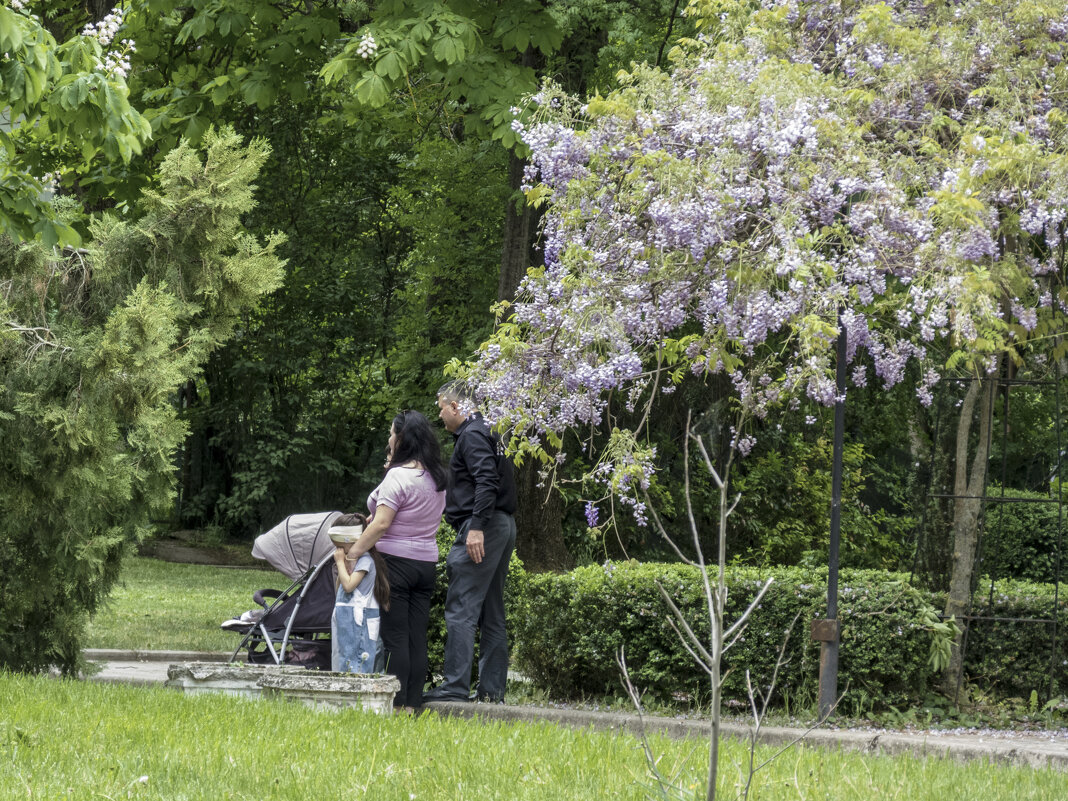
(476, 601)
(411, 583)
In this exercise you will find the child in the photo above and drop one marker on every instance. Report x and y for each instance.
(362, 589)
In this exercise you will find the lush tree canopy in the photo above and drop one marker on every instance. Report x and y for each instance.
(65, 110)
(894, 169)
(714, 219)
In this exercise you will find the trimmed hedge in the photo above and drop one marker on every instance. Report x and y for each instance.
(1010, 659)
(1020, 539)
(565, 631)
(569, 628)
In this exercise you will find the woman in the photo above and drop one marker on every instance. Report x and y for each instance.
(405, 513)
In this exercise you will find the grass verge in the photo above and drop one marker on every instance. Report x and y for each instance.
(78, 740)
(171, 606)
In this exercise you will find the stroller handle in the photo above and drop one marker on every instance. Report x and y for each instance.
(261, 596)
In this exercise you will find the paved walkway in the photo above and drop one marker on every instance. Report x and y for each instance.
(1016, 748)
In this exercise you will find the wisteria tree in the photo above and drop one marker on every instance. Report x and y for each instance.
(897, 171)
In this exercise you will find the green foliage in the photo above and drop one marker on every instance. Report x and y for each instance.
(1020, 540)
(201, 60)
(61, 113)
(473, 51)
(393, 218)
(783, 515)
(785, 484)
(605, 36)
(1025, 439)
(391, 270)
(571, 627)
(482, 60)
(450, 201)
(94, 344)
(286, 417)
(1008, 658)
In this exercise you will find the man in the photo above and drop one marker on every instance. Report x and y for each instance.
(479, 504)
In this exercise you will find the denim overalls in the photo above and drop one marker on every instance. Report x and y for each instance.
(355, 626)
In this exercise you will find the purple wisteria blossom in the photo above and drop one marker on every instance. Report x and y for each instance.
(591, 514)
(777, 188)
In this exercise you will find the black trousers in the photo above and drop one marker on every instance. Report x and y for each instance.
(475, 602)
(411, 583)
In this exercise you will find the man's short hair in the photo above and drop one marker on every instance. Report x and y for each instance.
(456, 390)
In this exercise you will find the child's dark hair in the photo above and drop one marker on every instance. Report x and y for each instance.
(381, 571)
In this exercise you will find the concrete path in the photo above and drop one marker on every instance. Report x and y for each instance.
(1033, 749)
(141, 668)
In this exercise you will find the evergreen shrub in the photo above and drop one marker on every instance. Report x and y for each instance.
(572, 626)
(96, 345)
(568, 629)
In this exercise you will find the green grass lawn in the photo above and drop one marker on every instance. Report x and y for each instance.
(164, 605)
(72, 740)
(75, 740)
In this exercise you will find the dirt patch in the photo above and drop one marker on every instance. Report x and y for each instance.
(183, 547)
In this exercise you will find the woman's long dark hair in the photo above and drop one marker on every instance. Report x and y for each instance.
(381, 570)
(417, 442)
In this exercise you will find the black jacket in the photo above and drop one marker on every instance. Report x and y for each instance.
(481, 479)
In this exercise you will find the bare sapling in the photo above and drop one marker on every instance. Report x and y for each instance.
(709, 655)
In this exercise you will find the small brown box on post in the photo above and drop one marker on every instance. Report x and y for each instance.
(825, 630)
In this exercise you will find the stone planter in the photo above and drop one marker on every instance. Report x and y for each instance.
(373, 692)
(231, 678)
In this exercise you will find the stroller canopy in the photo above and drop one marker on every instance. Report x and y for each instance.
(297, 543)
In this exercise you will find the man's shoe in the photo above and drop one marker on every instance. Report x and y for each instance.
(435, 695)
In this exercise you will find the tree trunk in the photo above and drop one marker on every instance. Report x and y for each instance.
(519, 230)
(539, 539)
(966, 510)
(540, 513)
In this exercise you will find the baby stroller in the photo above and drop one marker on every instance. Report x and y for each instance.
(292, 626)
